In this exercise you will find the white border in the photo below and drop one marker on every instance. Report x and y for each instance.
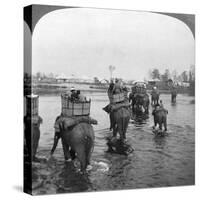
(11, 43)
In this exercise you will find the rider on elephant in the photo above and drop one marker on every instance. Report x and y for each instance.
(155, 96)
(117, 88)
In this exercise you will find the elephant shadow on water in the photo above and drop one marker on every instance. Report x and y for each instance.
(71, 181)
(159, 141)
(140, 119)
(115, 145)
(160, 133)
(53, 177)
(173, 104)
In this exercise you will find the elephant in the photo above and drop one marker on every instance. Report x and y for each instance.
(77, 141)
(160, 117)
(140, 103)
(32, 135)
(155, 97)
(173, 95)
(120, 119)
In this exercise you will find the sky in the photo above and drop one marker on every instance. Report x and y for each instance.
(85, 41)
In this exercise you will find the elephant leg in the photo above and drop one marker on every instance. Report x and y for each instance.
(160, 126)
(155, 122)
(133, 108)
(125, 128)
(120, 126)
(115, 129)
(72, 154)
(146, 109)
(88, 156)
(111, 121)
(89, 149)
(165, 124)
(65, 149)
(81, 155)
(154, 101)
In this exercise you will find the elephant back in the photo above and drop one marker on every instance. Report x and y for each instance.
(161, 112)
(80, 134)
(122, 112)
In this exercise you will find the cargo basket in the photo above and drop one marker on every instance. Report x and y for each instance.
(74, 108)
(116, 98)
(32, 105)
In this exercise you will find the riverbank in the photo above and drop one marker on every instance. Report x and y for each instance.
(46, 88)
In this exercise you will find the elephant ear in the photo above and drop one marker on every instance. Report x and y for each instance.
(58, 126)
(61, 126)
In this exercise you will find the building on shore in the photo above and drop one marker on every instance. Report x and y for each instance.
(73, 79)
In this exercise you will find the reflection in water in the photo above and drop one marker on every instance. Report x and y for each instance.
(70, 180)
(173, 104)
(159, 142)
(156, 161)
(140, 120)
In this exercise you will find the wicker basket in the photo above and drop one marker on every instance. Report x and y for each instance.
(32, 105)
(70, 108)
(116, 98)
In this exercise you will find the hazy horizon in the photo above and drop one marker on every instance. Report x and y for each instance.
(84, 42)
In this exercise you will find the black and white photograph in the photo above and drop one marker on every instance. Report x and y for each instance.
(109, 99)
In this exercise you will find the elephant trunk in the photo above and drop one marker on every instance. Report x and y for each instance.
(141, 109)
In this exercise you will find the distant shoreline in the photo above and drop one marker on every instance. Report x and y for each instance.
(42, 91)
(48, 89)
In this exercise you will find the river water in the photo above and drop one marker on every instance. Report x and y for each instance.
(155, 162)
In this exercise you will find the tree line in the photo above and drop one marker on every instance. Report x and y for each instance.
(185, 76)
